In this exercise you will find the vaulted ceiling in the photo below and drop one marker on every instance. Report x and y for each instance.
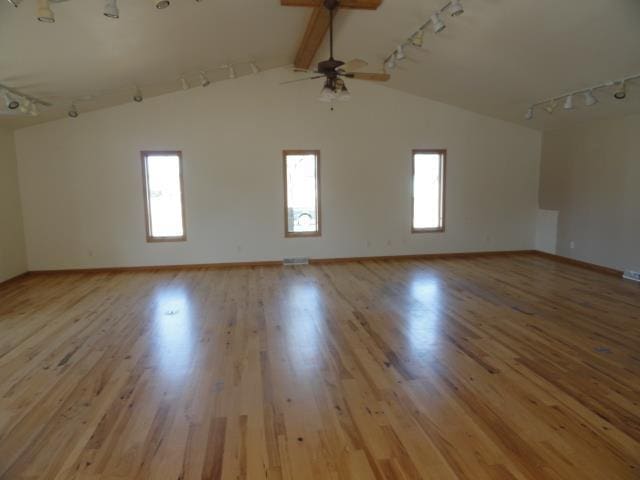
(496, 59)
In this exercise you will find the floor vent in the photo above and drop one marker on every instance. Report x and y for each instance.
(631, 275)
(288, 262)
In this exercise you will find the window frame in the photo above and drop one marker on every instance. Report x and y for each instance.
(443, 189)
(144, 154)
(318, 232)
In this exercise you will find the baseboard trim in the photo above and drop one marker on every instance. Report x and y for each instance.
(323, 261)
(150, 268)
(421, 256)
(580, 263)
(278, 263)
(14, 279)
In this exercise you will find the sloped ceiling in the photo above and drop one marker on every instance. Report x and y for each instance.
(496, 59)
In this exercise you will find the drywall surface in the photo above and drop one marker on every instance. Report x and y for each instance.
(81, 182)
(12, 247)
(547, 231)
(591, 175)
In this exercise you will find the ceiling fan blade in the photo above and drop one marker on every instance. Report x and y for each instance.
(353, 65)
(302, 79)
(372, 77)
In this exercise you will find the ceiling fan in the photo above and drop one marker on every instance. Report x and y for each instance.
(334, 71)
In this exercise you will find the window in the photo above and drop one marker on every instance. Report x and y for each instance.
(302, 193)
(428, 190)
(163, 196)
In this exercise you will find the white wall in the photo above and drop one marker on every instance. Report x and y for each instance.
(12, 254)
(81, 179)
(590, 173)
(546, 231)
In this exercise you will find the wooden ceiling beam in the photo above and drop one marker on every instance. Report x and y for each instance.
(317, 28)
(318, 25)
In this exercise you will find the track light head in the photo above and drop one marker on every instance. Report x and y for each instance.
(390, 64)
(529, 114)
(35, 111)
(417, 40)
(161, 4)
(137, 96)
(621, 91)
(10, 102)
(204, 81)
(25, 106)
(456, 8)
(589, 98)
(111, 9)
(400, 53)
(15, 3)
(184, 84)
(254, 68)
(44, 12)
(437, 23)
(551, 107)
(73, 112)
(568, 103)
(232, 72)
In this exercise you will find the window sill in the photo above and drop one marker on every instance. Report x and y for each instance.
(428, 230)
(166, 239)
(302, 234)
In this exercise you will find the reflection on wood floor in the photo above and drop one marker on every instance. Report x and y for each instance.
(505, 367)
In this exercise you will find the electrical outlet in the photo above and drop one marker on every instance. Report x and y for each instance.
(572, 244)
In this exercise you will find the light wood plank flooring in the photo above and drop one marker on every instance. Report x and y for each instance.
(505, 367)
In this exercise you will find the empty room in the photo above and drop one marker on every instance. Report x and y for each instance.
(319, 239)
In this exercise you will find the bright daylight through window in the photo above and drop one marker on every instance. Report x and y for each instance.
(163, 196)
(428, 190)
(302, 194)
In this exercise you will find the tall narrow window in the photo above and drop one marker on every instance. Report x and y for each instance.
(428, 190)
(163, 196)
(302, 193)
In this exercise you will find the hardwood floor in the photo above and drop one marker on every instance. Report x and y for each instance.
(505, 367)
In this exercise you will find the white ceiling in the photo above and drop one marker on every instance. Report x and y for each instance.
(496, 59)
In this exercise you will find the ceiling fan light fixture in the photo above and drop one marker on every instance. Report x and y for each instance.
(437, 23)
(589, 98)
(161, 4)
(328, 93)
(111, 9)
(342, 92)
(621, 91)
(456, 8)
(44, 12)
